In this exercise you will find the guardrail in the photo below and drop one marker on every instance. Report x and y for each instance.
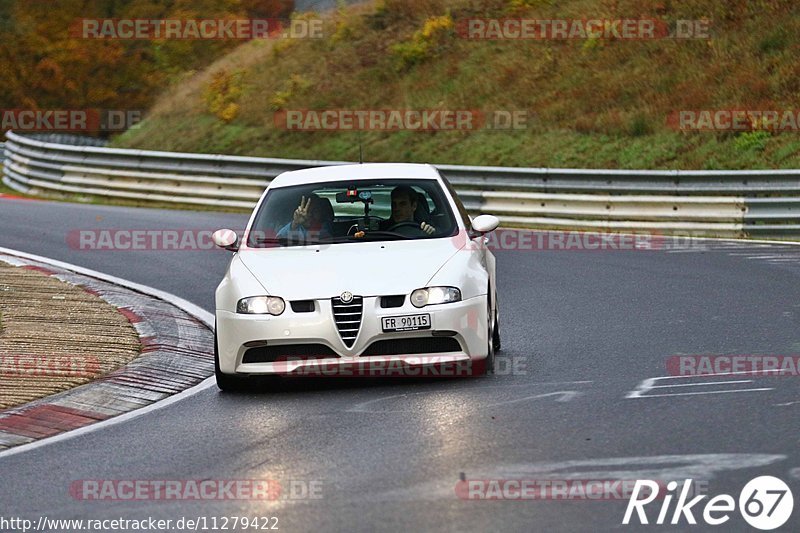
(717, 203)
(60, 138)
(73, 139)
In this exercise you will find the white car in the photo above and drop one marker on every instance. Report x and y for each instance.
(373, 269)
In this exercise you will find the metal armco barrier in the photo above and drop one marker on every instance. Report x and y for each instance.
(73, 139)
(715, 203)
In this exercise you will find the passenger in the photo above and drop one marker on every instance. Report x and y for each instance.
(311, 221)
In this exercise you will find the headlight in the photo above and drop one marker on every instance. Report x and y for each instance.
(435, 295)
(261, 305)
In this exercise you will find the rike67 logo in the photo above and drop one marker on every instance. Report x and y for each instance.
(765, 503)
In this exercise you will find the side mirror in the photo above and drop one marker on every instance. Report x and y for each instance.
(485, 224)
(227, 239)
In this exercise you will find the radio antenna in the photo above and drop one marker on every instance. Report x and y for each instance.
(360, 149)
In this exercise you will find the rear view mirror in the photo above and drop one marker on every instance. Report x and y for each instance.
(226, 239)
(485, 224)
(351, 196)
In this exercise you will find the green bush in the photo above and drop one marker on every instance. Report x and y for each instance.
(423, 42)
(752, 141)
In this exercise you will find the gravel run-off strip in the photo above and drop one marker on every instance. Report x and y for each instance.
(55, 336)
(75, 350)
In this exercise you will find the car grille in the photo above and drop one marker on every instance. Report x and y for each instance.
(271, 354)
(413, 345)
(348, 318)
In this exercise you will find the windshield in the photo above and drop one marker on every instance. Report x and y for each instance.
(353, 211)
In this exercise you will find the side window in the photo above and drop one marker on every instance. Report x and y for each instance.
(462, 211)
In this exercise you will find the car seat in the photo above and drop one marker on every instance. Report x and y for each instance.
(423, 212)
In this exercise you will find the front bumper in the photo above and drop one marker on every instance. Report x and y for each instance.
(465, 321)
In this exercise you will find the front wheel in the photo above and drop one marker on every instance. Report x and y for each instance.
(490, 335)
(496, 337)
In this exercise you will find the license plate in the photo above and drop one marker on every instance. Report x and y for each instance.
(406, 322)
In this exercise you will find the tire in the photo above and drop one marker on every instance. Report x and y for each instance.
(490, 323)
(496, 338)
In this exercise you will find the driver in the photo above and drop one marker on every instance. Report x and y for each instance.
(404, 205)
(312, 218)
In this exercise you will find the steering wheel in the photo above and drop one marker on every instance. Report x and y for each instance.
(407, 229)
(406, 224)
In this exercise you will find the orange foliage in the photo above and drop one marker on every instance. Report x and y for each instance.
(44, 65)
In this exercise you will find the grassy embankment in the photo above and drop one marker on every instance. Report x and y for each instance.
(595, 103)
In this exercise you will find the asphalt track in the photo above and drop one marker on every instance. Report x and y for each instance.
(584, 330)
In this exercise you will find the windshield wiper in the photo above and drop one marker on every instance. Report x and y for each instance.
(285, 241)
(384, 234)
(368, 236)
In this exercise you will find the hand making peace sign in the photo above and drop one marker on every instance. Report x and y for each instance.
(302, 213)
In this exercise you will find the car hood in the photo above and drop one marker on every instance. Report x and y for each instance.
(364, 269)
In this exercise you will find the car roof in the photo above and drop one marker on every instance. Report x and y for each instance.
(366, 171)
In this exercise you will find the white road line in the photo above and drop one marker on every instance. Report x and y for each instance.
(713, 374)
(700, 384)
(557, 383)
(650, 384)
(566, 395)
(209, 382)
(762, 253)
(783, 257)
(696, 393)
(194, 310)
